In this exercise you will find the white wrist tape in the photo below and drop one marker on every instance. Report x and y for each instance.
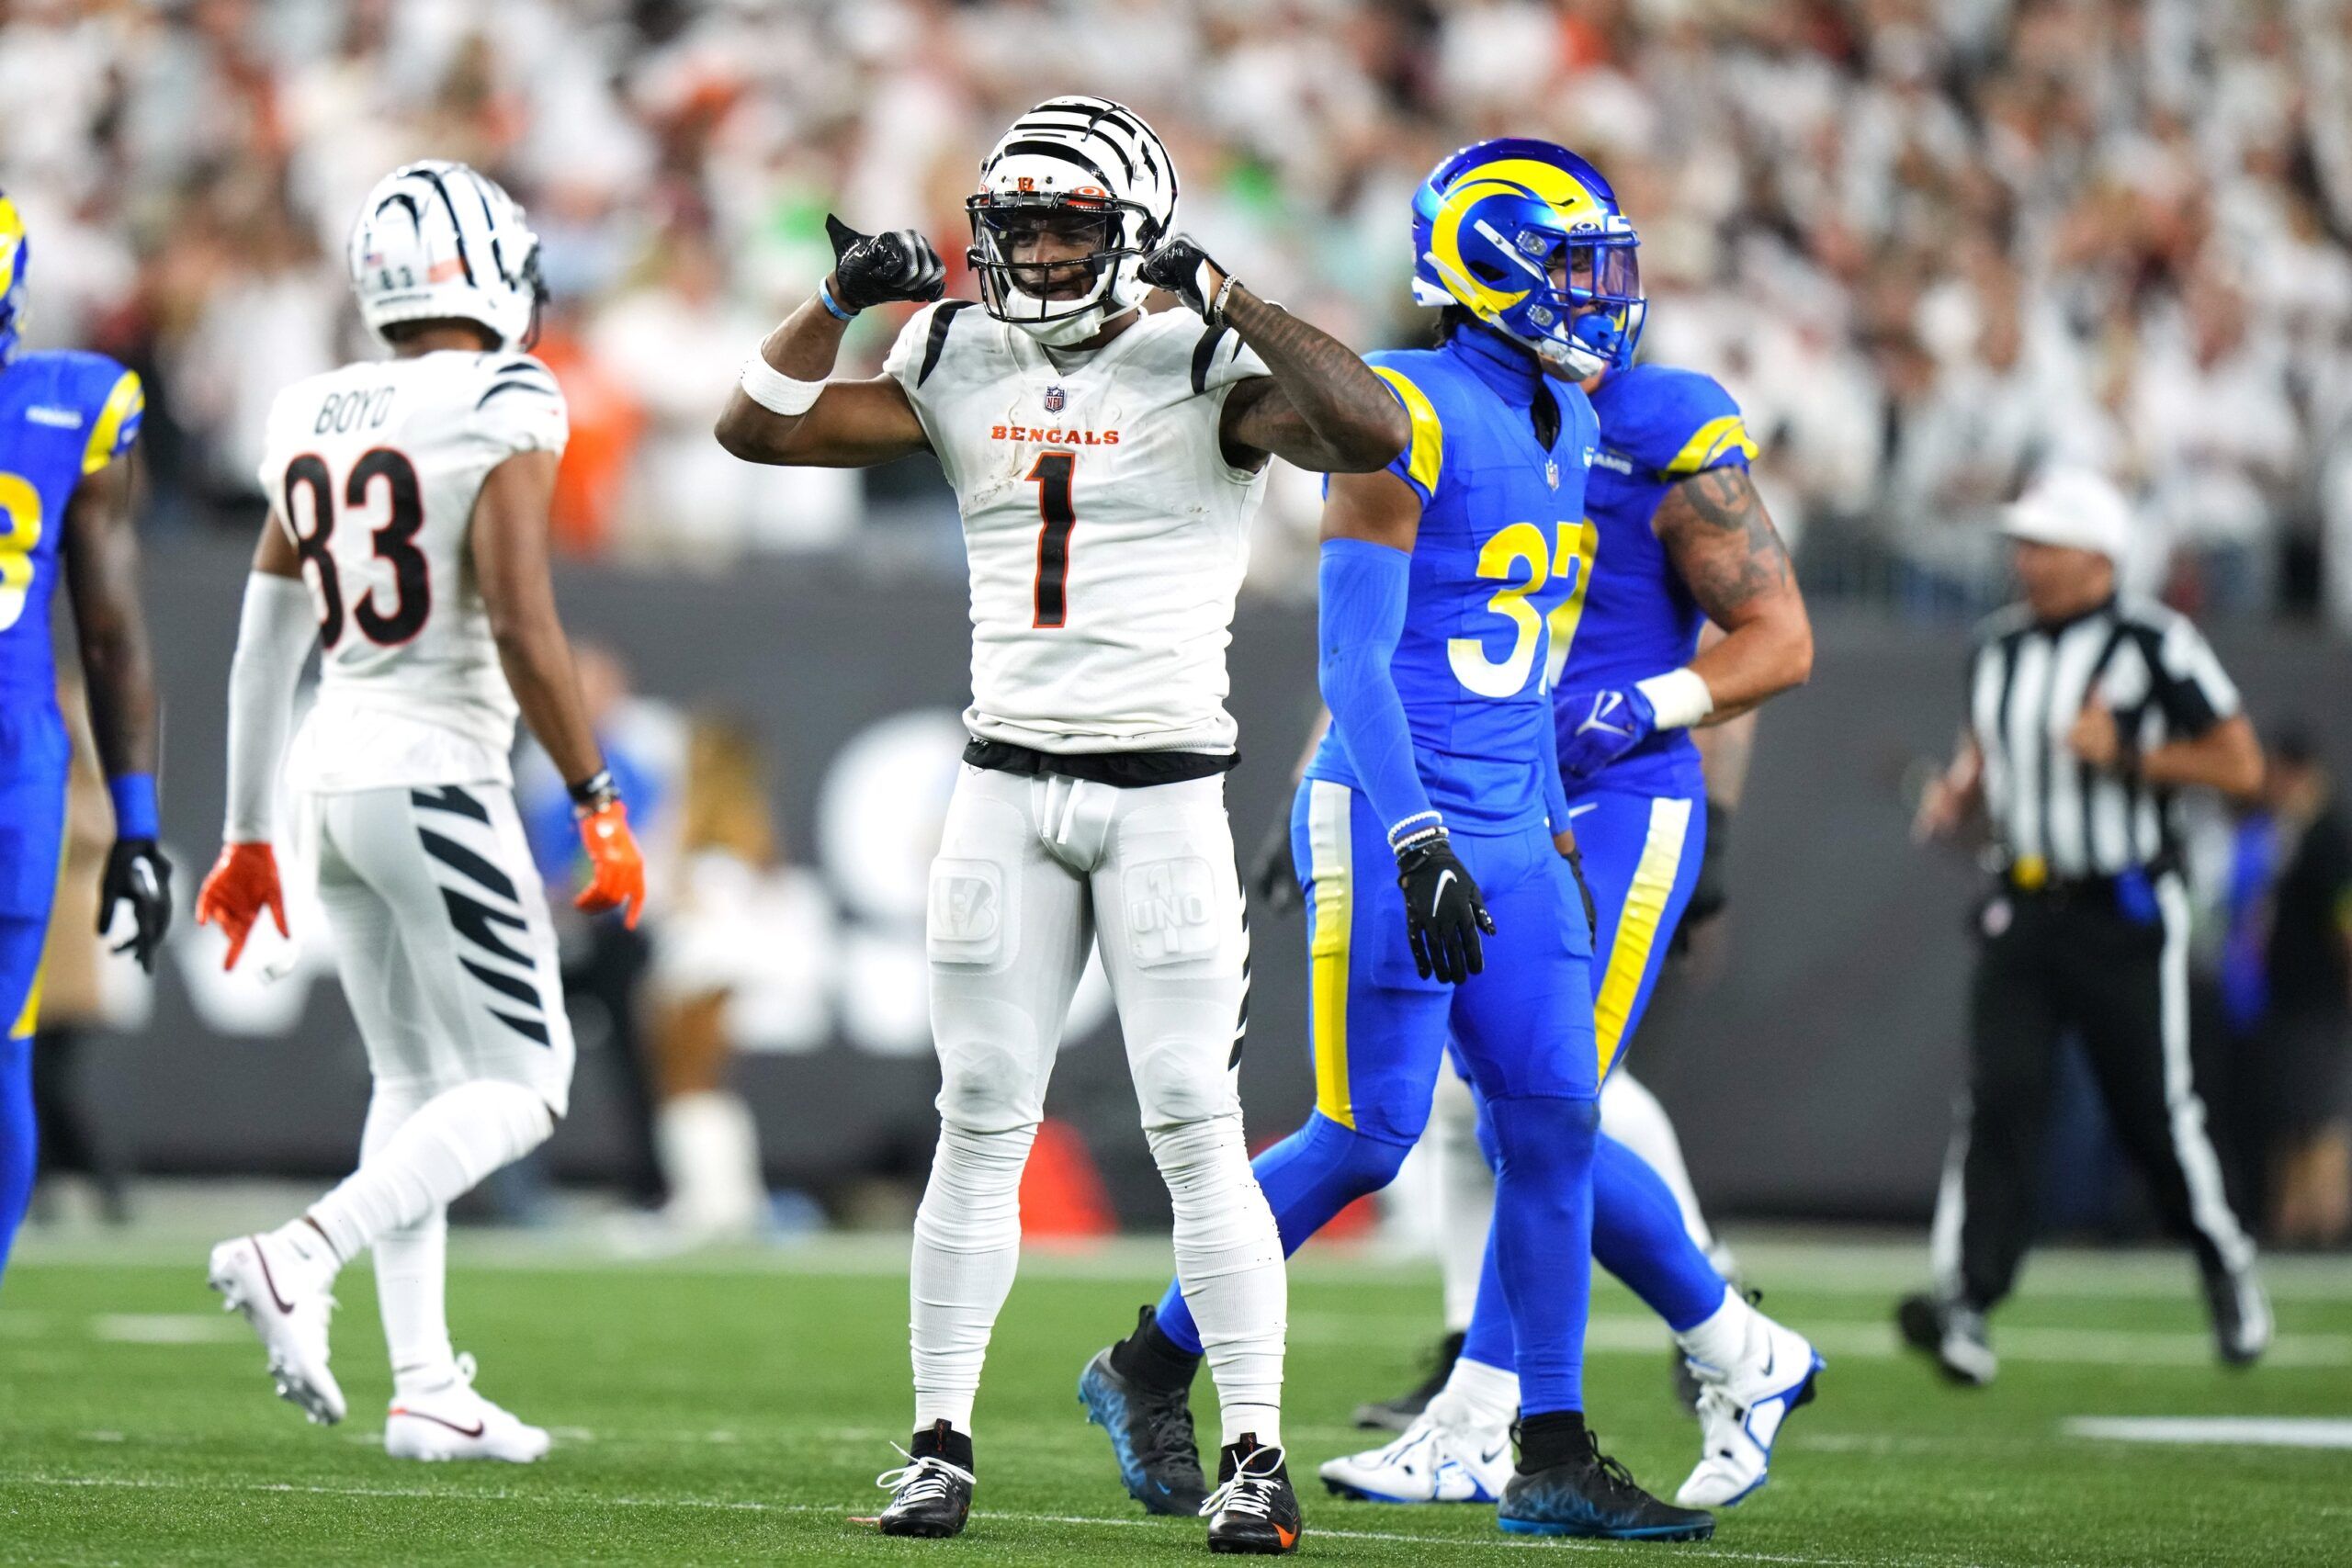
(1678, 697)
(776, 391)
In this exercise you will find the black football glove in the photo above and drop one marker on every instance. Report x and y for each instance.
(869, 269)
(1575, 857)
(138, 874)
(1182, 268)
(1274, 873)
(1443, 913)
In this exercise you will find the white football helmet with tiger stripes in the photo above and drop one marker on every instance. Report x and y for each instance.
(1071, 158)
(437, 241)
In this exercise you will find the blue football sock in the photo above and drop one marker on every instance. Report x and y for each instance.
(1638, 1236)
(15, 1139)
(1307, 1178)
(1542, 1240)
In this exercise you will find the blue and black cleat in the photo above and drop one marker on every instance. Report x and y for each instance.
(1591, 1496)
(1151, 1436)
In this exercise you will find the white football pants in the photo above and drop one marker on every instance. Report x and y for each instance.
(1031, 873)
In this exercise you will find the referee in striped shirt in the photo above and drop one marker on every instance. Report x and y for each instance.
(2087, 716)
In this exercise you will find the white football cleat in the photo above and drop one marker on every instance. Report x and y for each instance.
(1741, 1410)
(1432, 1463)
(453, 1422)
(284, 1297)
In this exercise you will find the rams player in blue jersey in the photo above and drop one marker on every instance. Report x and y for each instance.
(1676, 538)
(1432, 824)
(67, 422)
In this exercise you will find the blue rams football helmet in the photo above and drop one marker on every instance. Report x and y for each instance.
(14, 250)
(1493, 221)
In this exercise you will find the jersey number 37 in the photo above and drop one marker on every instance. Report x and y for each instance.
(381, 477)
(1518, 549)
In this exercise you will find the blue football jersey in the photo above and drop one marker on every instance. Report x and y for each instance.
(1631, 617)
(1497, 556)
(62, 415)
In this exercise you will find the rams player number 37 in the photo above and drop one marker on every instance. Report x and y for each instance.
(67, 423)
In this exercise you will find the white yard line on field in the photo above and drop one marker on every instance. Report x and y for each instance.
(154, 1484)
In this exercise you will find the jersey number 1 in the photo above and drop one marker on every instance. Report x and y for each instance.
(1056, 518)
(395, 543)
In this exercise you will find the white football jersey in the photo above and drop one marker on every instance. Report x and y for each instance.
(374, 470)
(1106, 534)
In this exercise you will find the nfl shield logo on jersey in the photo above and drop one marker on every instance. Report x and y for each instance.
(1053, 400)
(1552, 472)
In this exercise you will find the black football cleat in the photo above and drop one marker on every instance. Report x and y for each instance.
(931, 1494)
(2240, 1309)
(1253, 1509)
(1952, 1333)
(1591, 1496)
(1150, 1427)
(1396, 1414)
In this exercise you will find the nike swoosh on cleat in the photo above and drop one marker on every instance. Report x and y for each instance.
(476, 1430)
(269, 1279)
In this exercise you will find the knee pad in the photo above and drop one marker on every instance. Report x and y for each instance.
(1543, 1134)
(1181, 1080)
(1350, 1158)
(985, 1088)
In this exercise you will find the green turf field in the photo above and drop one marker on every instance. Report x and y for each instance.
(735, 1409)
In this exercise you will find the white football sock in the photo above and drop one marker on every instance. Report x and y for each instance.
(1466, 1196)
(1632, 1114)
(967, 1247)
(1229, 1257)
(1720, 1340)
(411, 1261)
(441, 1150)
(1477, 1398)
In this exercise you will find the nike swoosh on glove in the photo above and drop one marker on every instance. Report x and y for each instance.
(138, 874)
(1181, 266)
(870, 269)
(241, 884)
(1609, 722)
(1443, 912)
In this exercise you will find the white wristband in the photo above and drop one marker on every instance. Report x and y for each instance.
(776, 391)
(1678, 697)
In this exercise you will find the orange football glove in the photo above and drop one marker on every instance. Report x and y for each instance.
(617, 871)
(241, 884)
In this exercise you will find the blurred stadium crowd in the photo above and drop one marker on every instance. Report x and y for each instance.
(1929, 244)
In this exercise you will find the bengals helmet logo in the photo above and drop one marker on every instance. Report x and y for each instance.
(1027, 184)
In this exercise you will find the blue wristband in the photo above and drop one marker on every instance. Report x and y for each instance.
(134, 806)
(825, 298)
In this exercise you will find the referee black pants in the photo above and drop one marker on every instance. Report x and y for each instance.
(2075, 962)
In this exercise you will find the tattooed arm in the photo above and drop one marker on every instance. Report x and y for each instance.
(1723, 544)
(1322, 407)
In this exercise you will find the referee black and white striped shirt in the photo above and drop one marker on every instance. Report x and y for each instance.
(2055, 816)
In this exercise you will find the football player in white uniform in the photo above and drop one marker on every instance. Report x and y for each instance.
(1106, 463)
(407, 537)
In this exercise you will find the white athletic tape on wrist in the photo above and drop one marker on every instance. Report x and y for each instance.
(776, 391)
(1679, 697)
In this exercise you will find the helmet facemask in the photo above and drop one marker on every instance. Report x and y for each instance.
(1057, 265)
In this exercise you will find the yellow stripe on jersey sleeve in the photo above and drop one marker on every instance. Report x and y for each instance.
(1709, 444)
(1426, 455)
(124, 404)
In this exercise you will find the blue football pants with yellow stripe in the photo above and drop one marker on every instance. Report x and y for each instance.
(1524, 1030)
(1640, 859)
(32, 844)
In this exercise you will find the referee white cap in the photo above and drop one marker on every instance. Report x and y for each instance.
(2074, 507)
